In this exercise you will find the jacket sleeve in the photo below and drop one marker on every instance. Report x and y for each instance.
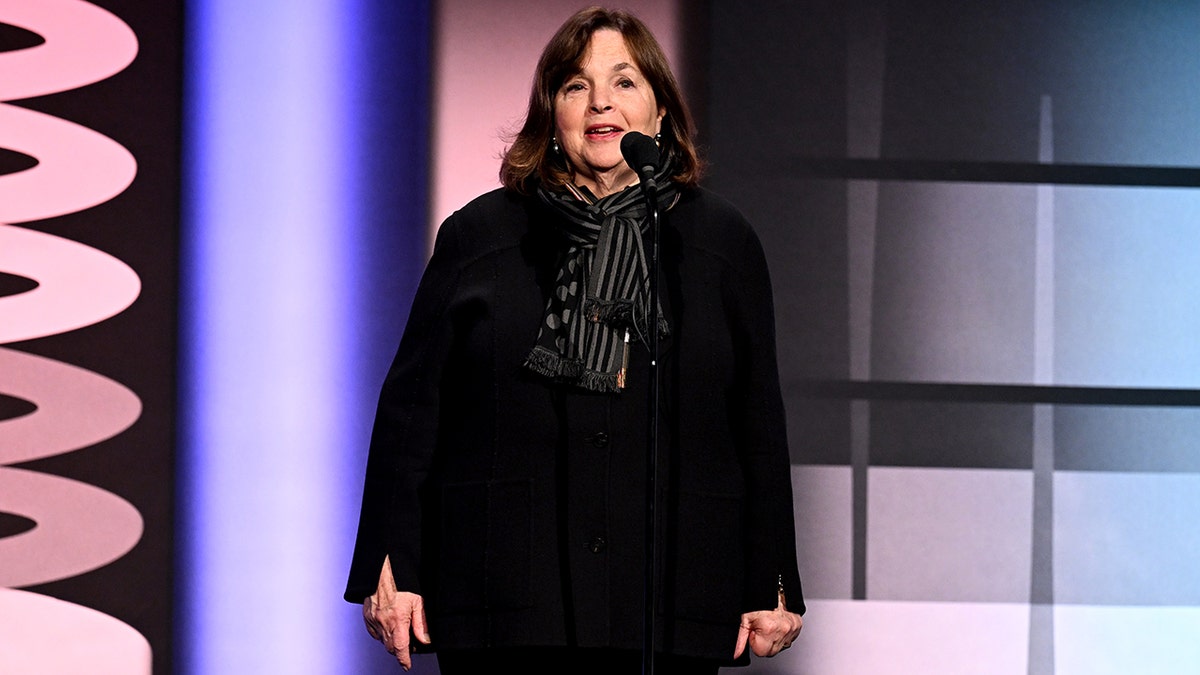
(761, 430)
(405, 431)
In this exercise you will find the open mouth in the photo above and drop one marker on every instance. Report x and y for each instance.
(603, 130)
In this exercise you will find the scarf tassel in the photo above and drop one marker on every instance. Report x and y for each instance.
(548, 364)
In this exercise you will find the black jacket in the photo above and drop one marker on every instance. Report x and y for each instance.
(516, 507)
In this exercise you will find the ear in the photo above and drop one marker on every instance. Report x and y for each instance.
(662, 114)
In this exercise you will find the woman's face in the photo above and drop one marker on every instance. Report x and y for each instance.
(597, 106)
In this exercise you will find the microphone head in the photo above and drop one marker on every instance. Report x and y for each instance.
(640, 152)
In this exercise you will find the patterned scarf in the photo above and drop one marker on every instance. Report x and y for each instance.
(602, 290)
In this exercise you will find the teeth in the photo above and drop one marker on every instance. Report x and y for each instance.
(602, 130)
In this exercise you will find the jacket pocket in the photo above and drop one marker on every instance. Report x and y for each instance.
(706, 572)
(485, 543)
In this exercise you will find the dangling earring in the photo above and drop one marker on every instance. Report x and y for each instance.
(658, 139)
(554, 146)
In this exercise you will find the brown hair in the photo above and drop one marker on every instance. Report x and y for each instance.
(529, 159)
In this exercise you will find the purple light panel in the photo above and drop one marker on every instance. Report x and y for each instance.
(267, 500)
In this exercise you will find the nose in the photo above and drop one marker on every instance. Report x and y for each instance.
(600, 102)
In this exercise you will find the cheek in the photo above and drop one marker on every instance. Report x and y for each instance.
(651, 112)
(566, 115)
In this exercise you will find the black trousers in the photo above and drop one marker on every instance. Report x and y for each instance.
(566, 661)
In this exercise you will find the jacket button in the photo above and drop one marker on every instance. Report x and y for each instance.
(598, 439)
(596, 544)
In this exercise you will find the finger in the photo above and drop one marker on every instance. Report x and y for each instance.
(404, 657)
(787, 640)
(791, 637)
(398, 647)
(420, 628)
(373, 627)
(743, 635)
(394, 641)
(761, 646)
(400, 643)
(394, 627)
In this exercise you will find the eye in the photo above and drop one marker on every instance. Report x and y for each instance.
(625, 83)
(572, 87)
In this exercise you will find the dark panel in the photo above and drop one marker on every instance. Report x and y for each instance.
(948, 434)
(1139, 439)
(963, 80)
(818, 430)
(994, 172)
(774, 89)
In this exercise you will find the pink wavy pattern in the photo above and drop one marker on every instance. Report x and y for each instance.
(27, 647)
(77, 285)
(79, 527)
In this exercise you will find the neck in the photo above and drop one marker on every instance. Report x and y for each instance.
(609, 182)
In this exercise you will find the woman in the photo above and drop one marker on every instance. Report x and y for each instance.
(503, 514)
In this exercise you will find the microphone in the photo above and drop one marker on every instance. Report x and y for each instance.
(641, 154)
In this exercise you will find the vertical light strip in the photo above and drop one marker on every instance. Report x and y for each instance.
(866, 60)
(268, 282)
(1041, 589)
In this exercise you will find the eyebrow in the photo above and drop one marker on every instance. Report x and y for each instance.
(616, 69)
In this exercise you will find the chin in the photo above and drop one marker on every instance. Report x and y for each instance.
(606, 162)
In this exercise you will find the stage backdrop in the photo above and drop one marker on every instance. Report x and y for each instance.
(981, 220)
(89, 169)
(980, 223)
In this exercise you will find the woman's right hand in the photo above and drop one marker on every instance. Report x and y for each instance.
(392, 616)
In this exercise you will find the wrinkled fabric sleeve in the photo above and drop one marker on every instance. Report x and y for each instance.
(405, 432)
(761, 431)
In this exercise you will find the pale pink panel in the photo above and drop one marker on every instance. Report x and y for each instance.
(76, 408)
(906, 638)
(44, 636)
(77, 285)
(485, 58)
(77, 167)
(80, 527)
(83, 44)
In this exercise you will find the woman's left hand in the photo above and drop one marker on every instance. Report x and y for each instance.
(768, 632)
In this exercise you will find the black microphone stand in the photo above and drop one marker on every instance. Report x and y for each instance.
(650, 189)
(643, 156)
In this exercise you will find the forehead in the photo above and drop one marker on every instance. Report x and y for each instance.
(606, 50)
